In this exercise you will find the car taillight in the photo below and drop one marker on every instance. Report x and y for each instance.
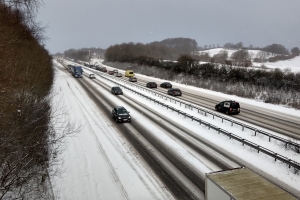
(238, 109)
(230, 109)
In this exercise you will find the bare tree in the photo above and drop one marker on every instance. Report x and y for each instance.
(261, 57)
(29, 143)
(221, 57)
(241, 58)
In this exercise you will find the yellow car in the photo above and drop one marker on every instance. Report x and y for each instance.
(129, 73)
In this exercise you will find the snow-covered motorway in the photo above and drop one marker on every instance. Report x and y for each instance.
(187, 149)
(274, 120)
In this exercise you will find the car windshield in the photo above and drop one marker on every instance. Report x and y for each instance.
(117, 89)
(122, 111)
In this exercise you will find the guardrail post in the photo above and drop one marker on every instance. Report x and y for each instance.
(242, 128)
(231, 123)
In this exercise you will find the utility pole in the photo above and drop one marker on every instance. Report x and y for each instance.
(89, 58)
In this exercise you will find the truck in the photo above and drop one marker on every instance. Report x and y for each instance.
(242, 183)
(76, 71)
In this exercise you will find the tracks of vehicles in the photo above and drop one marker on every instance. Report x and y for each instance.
(188, 175)
(290, 128)
(270, 121)
(189, 141)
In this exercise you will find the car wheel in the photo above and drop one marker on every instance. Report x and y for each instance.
(117, 120)
(227, 113)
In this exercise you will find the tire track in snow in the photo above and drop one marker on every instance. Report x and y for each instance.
(113, 173)
(160, 188)
(123, 155)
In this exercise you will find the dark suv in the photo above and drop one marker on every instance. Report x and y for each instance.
(228, 107)
(120, 114)
(116, 90)
(151, 85)
(166, 85)
(175, 92)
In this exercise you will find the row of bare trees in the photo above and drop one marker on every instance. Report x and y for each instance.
(29, 137)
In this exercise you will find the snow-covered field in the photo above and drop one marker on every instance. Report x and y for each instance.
(99, 164)
(293, 64)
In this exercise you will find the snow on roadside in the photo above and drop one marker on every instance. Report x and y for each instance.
(98, 164)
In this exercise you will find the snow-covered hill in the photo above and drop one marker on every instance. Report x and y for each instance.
(293, 64)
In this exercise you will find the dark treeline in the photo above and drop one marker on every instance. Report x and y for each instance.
(273, 79)
(26, 78)
(84, 54)
(168, 49)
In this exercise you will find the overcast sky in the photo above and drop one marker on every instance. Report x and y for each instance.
(101, 23)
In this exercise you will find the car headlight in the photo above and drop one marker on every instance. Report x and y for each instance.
(129, 117)
(119, 118)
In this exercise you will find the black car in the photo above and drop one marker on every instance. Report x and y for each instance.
(116, 90)
(120, 114)
(175, 92)
(228, 107)
(166, 85)
(151, 85)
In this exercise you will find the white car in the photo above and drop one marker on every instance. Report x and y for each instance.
(92, 76)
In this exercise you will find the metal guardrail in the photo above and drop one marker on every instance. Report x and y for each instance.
(288, 143)
(276, 156)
